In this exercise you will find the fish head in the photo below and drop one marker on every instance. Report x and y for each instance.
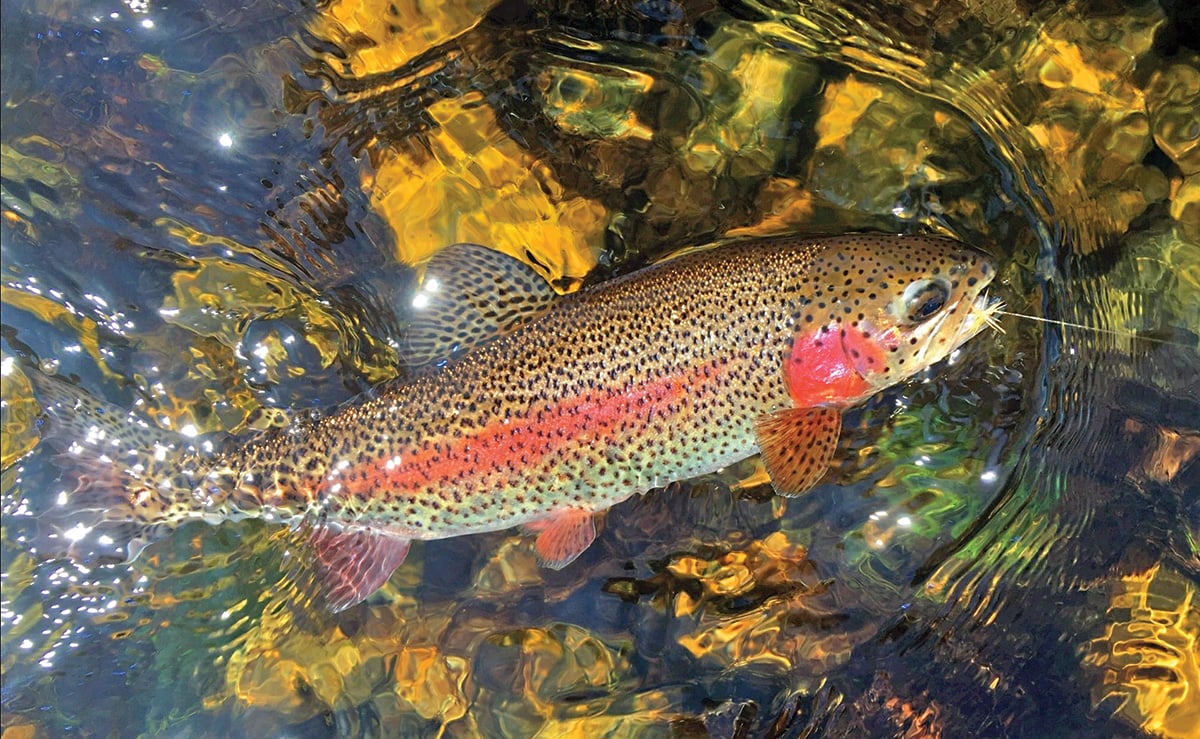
(881, 310)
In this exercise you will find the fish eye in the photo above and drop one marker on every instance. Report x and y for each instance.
(924, 298)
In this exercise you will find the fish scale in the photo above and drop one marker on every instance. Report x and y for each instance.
(540, 410)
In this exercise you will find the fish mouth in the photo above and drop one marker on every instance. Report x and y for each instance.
(983, 313)
(980, 314)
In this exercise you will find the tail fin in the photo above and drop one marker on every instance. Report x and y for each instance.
(123, 483)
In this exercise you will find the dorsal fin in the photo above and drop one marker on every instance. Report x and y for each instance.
(469, 295)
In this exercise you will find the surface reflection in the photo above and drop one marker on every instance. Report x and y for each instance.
(211, 216)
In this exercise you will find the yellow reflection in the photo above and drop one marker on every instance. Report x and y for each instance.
(217, 299)
(391, 660)
(379, 36)
(781, 590)
(744, 136)
(784, 207)
(844, 104)
(18, 414)
(473, 183)
(596, 100)
(1092, 123)
(1149, 656)
(20, 730)
(82, 328)
(1172, 97)
(1170, 452)
(46, 164)
(1185, 208)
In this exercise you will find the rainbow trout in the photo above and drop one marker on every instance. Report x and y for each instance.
(538, 410)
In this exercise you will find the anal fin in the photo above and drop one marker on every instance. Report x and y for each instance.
(353, 564)
(797, 445)
(563, 536)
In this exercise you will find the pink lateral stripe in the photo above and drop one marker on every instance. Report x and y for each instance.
(530, 435)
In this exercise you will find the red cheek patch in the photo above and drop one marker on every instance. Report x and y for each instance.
(819, 370)
(867, 353)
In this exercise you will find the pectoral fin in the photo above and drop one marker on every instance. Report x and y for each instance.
(352, 565)
(797, 445)
(563, 537)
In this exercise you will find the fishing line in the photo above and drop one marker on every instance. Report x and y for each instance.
(1124, 334)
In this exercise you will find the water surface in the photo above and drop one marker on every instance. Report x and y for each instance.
(211, 213)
